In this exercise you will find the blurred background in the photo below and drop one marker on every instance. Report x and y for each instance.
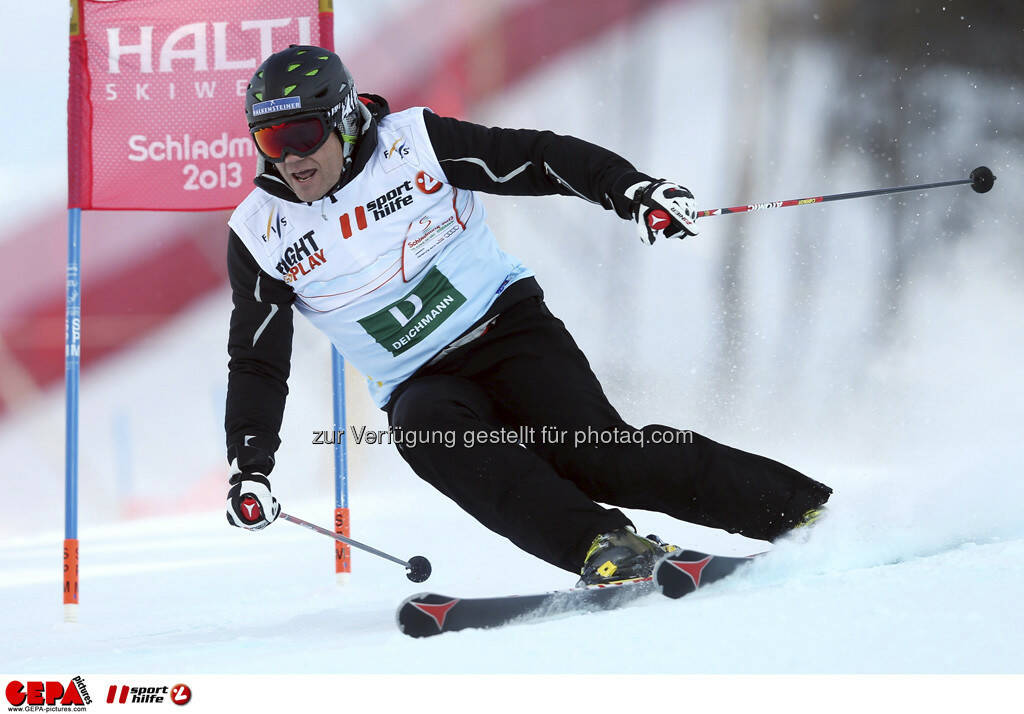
(871, 343)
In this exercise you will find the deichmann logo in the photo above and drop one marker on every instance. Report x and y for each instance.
(403, 324)
(56, 696)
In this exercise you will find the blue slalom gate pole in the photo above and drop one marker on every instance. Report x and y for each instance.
(342, 525)
(72, 351)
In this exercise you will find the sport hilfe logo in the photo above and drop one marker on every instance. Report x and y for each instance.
(384, 205)
(346, 222)
(139, 695)
(37, 693)
(427, 183)
(179, 694)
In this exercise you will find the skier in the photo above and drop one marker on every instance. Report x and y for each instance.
(369, 223)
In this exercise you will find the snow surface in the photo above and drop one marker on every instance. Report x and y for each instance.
(207, 600)
(918, 568)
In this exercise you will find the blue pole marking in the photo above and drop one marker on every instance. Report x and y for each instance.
(340, 428)
(72, 350)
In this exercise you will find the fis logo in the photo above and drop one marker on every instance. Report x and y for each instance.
(396, 150)
(301, 258)
(399, 149)
(276, 226)
(36, 694)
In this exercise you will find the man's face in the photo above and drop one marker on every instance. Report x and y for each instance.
(311, 177)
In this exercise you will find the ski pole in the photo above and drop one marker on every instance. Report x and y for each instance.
(418, 568)
(981, 180)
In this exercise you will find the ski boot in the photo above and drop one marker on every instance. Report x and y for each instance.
(621, 555)
(800, 532)
(810, 517)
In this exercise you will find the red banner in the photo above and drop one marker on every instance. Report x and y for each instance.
(156, 108)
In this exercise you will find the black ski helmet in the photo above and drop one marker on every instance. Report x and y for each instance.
(303, 80)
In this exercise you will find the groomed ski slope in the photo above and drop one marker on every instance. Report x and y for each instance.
(186, 596)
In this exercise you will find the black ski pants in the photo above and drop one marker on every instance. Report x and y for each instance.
(571, 448)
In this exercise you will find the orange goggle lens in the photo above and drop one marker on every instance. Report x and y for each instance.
(301, 138)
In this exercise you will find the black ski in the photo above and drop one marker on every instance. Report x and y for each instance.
(429, 614)
(677, 574)
(682, 572)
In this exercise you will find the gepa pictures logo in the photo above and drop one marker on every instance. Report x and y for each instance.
(31, 695)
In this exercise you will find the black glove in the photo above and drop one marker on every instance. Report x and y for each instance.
(250, 504)
(662, 210)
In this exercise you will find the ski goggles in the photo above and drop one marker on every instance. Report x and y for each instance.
(300, 137)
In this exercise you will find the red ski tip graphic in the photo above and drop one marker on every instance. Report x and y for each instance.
(692, 568)
(438, 612)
